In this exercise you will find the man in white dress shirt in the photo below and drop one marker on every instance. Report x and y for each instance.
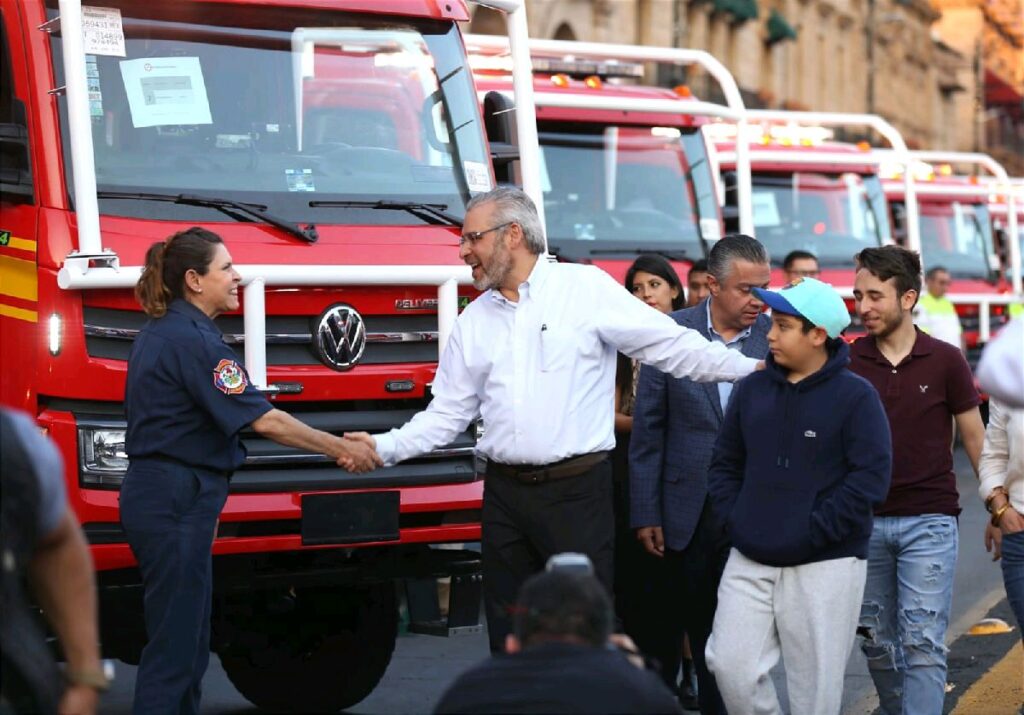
(535, 356)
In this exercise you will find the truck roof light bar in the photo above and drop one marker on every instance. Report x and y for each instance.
(664, 55)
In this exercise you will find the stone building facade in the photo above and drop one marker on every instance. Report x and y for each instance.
(800, 54)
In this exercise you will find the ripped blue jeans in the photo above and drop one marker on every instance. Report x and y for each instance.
(903, 619)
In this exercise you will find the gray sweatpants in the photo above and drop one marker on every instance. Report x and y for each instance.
(807, 613)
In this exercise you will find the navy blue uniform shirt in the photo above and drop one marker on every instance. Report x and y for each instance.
(187, 397)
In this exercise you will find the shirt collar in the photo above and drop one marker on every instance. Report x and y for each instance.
(922, 347)
(186, 309)
(533, 283)
(743, 335)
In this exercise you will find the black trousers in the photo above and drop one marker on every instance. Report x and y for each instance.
(524, 524)
(169, 513)
(687, 604)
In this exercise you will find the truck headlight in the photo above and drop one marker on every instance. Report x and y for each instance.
(102, 457)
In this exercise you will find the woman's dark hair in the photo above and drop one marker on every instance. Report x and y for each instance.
(887, 262)
(657, 266)
(167, 262)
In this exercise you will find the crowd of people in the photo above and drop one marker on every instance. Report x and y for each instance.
(745, 486)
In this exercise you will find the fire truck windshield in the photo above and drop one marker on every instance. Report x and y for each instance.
(956, 236)
(312, 115)
(832, 216)
(612, 189)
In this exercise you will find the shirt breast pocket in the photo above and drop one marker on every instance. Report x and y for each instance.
(558, 349)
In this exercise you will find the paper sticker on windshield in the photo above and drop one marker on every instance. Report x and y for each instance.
(478, 178)
(710, 229)
(299, 179)
(165, 91)
(102, 32)
(766, 212)
(92, 82)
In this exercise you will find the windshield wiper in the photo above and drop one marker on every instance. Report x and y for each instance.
(672, 254)
(435, 213)
(258, 211)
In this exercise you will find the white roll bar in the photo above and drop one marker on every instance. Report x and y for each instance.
(664, 55)
(884, 128)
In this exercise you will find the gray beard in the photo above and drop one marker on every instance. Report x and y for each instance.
(495, 274)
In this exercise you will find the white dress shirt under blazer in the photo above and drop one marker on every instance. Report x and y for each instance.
(541, 371)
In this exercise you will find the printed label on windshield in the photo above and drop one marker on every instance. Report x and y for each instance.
(102, 32)
(766, 212)
(165, 91)
(92, 81)
(477, 176)
(300, 179)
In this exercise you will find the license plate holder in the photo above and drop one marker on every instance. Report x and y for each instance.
(349, 518)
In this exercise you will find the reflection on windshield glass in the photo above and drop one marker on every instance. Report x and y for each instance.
(613, 187)
(954, 236)
(833, 217)
(283, 116)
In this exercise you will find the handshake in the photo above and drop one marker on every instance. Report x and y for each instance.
(356, 452)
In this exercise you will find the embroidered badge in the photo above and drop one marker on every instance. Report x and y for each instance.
(229, 378)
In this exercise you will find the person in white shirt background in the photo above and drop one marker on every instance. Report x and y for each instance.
(535, 356)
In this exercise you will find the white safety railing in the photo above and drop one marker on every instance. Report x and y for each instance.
(734, 110)
(91, 266)
(873, 121)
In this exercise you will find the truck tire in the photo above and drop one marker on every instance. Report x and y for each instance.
(326, 654)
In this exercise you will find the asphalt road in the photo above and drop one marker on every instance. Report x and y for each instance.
(424, 666)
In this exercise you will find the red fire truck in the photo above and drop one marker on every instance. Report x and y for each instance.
(334, 145)
(955, 227)
(809, 192)
(624, 166)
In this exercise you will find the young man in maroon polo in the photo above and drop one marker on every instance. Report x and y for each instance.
(925, 386)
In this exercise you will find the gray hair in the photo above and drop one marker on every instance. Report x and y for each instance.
(731, 248)
(512, 204)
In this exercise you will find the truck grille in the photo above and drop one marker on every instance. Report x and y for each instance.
(389, 338)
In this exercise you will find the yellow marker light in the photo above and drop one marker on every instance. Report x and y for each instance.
(863, 146)
(560, 80)
(945, 170)
(593, 82)
(54, 334)
(765, 140)
(682, 90)
(990, 627)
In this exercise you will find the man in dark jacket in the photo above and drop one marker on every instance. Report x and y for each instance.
(561, 659)
(803, 457)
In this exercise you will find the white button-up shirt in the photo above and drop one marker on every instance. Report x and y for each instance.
(541, 371)
(1002, 457)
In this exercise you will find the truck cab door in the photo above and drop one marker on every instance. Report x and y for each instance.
(19, 212)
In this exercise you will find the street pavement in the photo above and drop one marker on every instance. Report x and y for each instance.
(423, 666)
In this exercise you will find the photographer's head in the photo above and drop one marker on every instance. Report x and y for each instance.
(561, 606)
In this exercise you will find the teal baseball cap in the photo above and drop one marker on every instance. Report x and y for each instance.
(810, 298)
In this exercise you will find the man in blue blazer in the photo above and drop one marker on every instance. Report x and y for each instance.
(675, 424)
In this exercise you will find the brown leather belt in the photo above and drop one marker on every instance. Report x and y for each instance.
(540, 473)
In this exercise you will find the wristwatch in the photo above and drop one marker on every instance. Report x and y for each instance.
(992, 495)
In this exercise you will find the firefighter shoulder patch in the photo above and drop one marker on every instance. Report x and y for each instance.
(229, 378)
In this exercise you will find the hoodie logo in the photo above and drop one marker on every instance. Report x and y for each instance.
(810, 433)
(924, 388)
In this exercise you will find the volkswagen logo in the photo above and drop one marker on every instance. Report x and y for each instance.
(340, 337)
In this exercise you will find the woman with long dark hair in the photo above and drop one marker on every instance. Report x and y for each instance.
(186, 400)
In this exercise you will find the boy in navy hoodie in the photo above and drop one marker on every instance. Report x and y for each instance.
(803, 457)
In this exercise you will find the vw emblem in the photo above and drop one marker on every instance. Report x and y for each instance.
(340, 337)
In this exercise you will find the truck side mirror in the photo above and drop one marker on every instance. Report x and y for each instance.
(499, 123)
(15, 164)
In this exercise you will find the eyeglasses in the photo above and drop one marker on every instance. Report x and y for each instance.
(473, 237)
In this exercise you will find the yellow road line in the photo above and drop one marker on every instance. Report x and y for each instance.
(1000, 690)
(18, 278)
(19, 313)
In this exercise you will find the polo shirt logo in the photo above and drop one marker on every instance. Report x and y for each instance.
(924, 388)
